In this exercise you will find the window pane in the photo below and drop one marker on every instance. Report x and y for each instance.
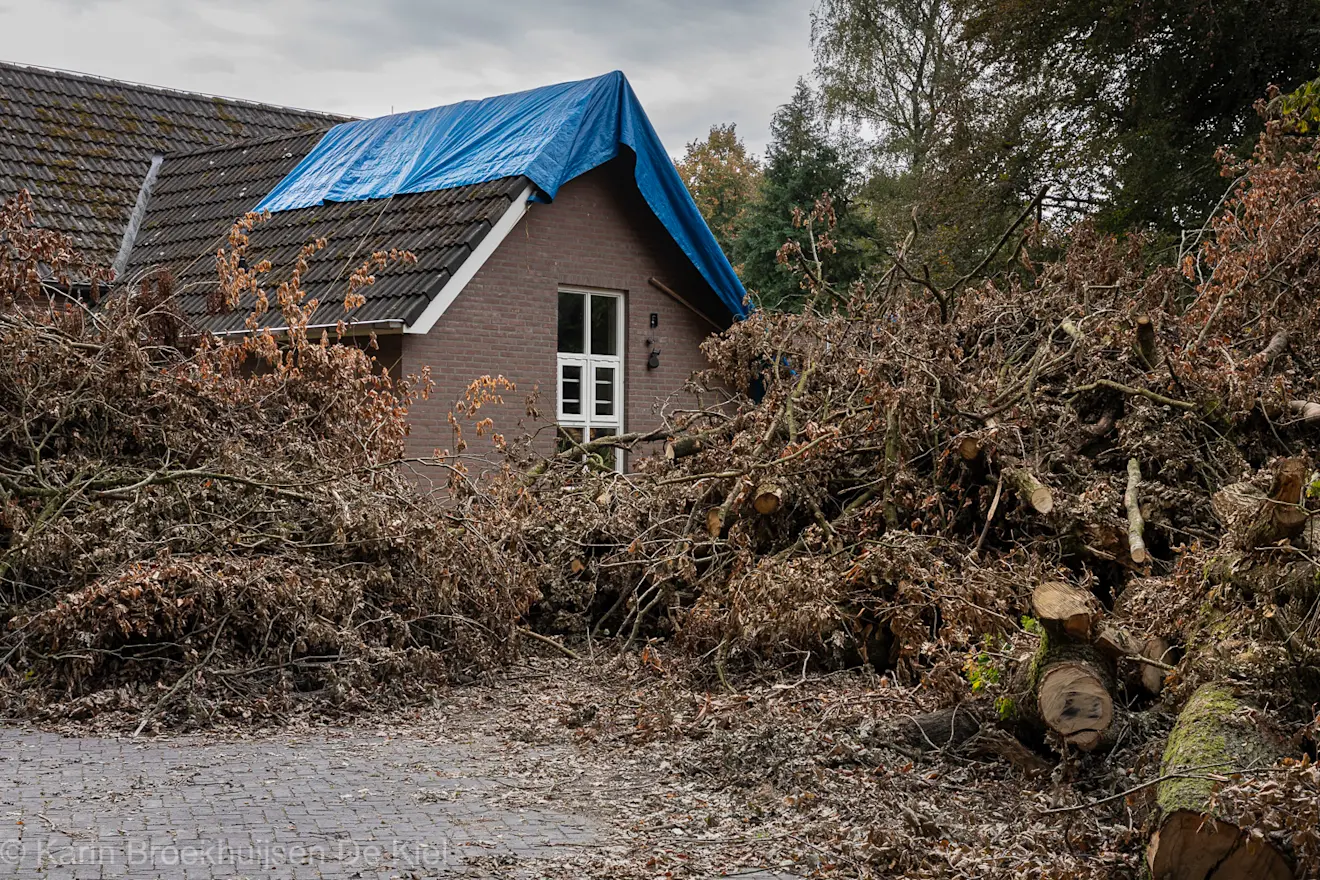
(605, 391)
(566, 438)
(612, 457)
(605, 325)
(570, 390)
(571, 326)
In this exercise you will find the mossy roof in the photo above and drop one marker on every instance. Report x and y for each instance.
(83, 144)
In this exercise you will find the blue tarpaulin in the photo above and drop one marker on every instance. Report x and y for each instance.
(551, 135)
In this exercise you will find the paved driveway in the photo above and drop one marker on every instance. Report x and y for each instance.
(350, 805)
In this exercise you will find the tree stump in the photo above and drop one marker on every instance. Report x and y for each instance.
(1213, 737)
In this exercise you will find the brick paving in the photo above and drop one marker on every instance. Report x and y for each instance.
(316, 806)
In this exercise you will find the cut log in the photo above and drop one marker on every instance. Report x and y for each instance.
(969, 448)
(715, 521)
(1152, 677)
(1136, 524)
(682, 447)
(1278, 345)
(1213, 737)
(768, 499)
(1146, 346)
(1064, 609)
(1072, 687)
(1032, 491)
(1306, 410)
(1115, 642)
(1280, 516)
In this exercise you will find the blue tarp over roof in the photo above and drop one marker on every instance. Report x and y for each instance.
(551, 135)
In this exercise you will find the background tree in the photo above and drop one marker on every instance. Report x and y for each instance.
(802, 164)
(948, 162)
(1139, 95)
(723, 180)
(896, 66)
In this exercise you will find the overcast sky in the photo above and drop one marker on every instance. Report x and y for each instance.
(692, 62)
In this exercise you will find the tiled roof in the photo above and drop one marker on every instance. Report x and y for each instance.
(82, 145)
(197, 197)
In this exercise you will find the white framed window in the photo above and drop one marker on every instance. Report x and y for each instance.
(589, 384)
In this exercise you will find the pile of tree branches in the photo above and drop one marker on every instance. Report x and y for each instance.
(1070, 501)
(193, 530)
(1069, 498)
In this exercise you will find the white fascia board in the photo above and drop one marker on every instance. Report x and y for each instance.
(454, 286)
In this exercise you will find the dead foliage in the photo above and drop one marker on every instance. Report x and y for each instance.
(883, 481)
(194, 529)
(887, 478)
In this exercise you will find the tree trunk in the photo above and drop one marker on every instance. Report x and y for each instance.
(1064, 609)
(1071, 686)
(1211, 739)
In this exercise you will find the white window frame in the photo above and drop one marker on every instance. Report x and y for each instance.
(587, 420)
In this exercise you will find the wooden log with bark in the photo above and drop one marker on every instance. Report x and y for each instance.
(962, 729)
(1280, 516)
(1066, 610)
(1030, 490)
(941, 729)
(1216, 735)
(1136, 523)
(682, 447)
(1070, 692)
(768, 499)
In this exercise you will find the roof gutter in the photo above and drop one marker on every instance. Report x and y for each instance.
(480, 254)
(391, 324)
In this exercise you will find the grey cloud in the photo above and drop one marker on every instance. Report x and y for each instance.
(692, 62)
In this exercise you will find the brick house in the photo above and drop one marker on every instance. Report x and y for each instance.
(555, 243)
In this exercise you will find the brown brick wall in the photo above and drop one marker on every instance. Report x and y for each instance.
(598, 233)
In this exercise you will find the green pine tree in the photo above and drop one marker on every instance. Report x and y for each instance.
(801, 165)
